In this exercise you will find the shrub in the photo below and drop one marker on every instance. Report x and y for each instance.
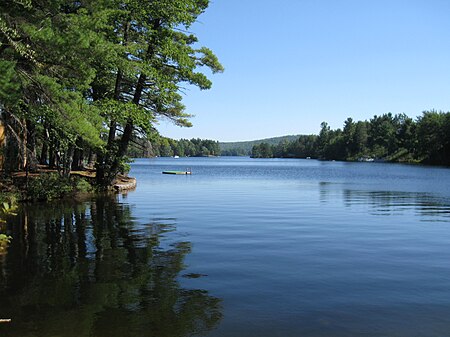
(82, 185)
(4, 242)
(7, 207)
(49, 186)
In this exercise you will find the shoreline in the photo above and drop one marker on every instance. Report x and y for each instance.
(124, 183)
(19, 185)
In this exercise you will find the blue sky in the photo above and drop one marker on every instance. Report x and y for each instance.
(291, 64)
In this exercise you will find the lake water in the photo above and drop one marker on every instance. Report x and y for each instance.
(242, 247)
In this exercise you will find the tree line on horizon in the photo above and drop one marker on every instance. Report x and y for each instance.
(81, 80)
(387, 137)
(244, 148)
(168, 147)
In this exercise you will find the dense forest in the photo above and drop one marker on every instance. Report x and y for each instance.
(167, 147)
(244, 148)
(81, 80)
(388, 137)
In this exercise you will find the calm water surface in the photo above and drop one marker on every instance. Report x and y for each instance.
(243, 247)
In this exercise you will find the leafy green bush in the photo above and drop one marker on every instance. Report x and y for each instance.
(5, 238)
(8, 197)
(124, 165)
(8, 206)
(4, 242)
(82, 185)
(49, 186)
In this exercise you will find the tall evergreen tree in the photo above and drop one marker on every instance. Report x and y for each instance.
(159, 58)
(91, 74)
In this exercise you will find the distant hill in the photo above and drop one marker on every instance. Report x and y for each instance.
(245, 148)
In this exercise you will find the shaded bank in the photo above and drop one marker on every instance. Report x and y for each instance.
(47, 184)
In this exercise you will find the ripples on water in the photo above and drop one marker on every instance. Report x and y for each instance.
(241, 248)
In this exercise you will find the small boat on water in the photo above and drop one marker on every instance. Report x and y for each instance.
(365, 159)
(188, 171)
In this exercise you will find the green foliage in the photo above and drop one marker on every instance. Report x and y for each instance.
(432, 133)
(124, 165)
(263, 150)
(70, 70)
(166, 147)
(304, 146)
(9, 198)
(387, 137)
(5, 240)
(121, 112)
(9, 86)
(244, 148)
(8, 207)
(49, 186)
(82, 185)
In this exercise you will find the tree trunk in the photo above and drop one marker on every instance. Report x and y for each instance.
(100, 169)
(67, 160)
(105, 178)
(52, 155)
(31, 146)
(44, 152)
(11, 150)
(2, 144)
(77, 162)
(23, 146)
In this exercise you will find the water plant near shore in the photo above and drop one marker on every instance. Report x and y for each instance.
(8, 207)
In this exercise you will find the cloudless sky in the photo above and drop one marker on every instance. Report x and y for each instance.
(291, 64)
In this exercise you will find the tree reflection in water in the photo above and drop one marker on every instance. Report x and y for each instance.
(88, 269)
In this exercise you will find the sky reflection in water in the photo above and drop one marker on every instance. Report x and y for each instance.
(241, 248)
